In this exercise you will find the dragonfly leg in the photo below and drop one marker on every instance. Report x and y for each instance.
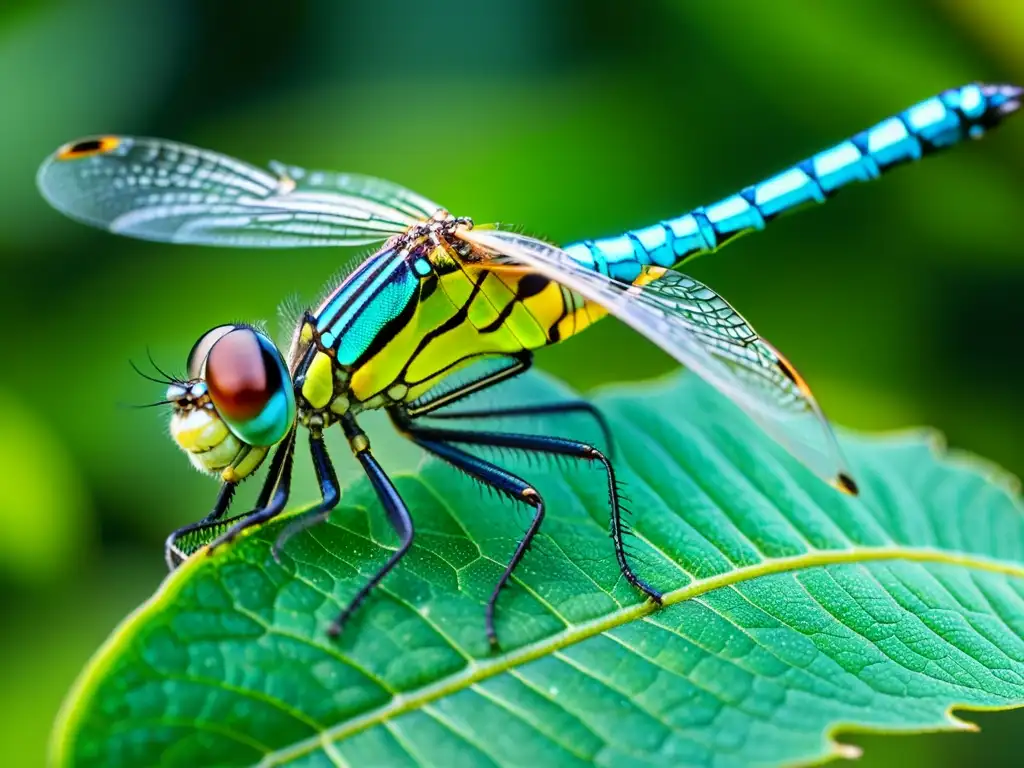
(397, 512)
(517, 366)
(512, 486)
(174, 555)
(544, 409)
(330, 495)
(274, 501)
(438, 441)
(201, 532)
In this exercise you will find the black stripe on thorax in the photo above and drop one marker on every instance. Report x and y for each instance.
(529, 285)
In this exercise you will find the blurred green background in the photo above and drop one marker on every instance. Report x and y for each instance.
(900, 301)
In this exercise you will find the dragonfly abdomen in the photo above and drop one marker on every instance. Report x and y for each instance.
(934, 124)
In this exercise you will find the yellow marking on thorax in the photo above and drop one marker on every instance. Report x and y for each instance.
(456, 286)
(546, 309)
(489, 301)
(585, 313)
(318, 388)
(528, 326)
(380, 371)
(460, 342)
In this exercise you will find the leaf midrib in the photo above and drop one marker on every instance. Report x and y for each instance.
(478, 671)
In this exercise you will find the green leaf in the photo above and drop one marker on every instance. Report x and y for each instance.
(791, 612)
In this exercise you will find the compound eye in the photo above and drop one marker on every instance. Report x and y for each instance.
(201, 350)
(248, 383)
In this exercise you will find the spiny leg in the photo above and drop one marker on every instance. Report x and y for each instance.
(544, 409)
(551, 445)
(173, 554)
(517, 366)
(397, 512)
(512, 486)
(271, 508)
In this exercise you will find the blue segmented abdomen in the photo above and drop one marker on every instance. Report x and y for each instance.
(936, 123)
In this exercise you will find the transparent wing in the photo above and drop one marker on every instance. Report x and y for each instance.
(701, 330)
(379, 196)
(162, 190)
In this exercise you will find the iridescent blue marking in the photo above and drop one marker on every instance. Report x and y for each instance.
(361, 323)
(654, 240)
(972, 102)
(891, 143)
(597, 260)
(930, 112)
(581, 253)
(354, 284)
(788, 190)
(369, 287)
(344, 292)
(838, 166)
(614, 249)
(936, 124)
(688, 235)
(933, 124)
(422, 267)
(620, 256)
(734, 214)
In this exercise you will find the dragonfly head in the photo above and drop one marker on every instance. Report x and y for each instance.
(237, 402)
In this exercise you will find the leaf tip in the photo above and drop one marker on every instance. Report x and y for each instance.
(962, 725)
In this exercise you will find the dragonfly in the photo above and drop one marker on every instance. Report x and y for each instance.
(442, 300)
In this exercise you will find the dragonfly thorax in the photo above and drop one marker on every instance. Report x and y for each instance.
(326, 388)
(439, 228)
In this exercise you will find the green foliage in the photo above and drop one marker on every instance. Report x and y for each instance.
(791, 612)
(45, 515)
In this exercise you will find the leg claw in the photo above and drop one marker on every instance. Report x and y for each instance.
(492, 641)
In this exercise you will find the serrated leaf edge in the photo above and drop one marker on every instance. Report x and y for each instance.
(479, 671)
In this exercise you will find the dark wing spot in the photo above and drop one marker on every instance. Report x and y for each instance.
(846, 484)
(86, 147)
(788, 371)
